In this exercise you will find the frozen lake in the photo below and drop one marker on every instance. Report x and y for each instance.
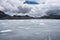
(30, 29)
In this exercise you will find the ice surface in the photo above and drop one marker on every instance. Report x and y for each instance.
(30, 29)
(6, 30)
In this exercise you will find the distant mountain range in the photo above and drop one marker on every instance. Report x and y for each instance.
(2, 15)
(5, 16)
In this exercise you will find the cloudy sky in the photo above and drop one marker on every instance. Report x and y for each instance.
(18, 7)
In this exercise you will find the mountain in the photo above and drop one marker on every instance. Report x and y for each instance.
(50, 17)
(5, 16)
(2, 15)
(30, 2)
(21, 17)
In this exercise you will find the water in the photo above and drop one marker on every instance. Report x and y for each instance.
(43, 29)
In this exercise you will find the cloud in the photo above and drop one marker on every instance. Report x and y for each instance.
(17, 7)
(13, 6)
(53, 11)
(42, 9)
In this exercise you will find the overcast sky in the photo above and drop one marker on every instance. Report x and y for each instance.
(13, 7)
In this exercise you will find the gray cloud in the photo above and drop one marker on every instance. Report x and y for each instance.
(53, 11)
(13, 7)
(16, 6)
(24, 9)
(20, 9)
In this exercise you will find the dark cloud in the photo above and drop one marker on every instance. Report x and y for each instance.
(53, 11)
(24, 9)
